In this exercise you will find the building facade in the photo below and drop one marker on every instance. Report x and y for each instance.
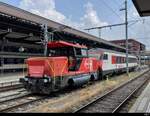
(133, 45)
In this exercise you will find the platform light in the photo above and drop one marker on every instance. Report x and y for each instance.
(21, 49)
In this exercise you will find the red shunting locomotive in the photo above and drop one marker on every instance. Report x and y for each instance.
(66, 64)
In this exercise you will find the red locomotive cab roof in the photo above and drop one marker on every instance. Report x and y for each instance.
(59, 44)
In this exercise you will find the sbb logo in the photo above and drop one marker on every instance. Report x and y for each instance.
(88, 64)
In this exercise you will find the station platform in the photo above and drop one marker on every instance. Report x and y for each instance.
(11, 77)
(142, 105)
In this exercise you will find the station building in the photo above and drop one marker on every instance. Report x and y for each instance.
(133, 46)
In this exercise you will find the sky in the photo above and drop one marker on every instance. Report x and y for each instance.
(82, 14)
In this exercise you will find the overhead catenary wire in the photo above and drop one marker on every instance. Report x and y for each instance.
(116, 2)
(115, 13)
(114, 25)
(112, 10)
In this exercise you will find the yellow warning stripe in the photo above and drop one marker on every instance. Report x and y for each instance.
(51, 68)
(64, 67)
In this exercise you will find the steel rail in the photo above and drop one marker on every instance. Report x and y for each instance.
(128, 97)
(10, 87)
(8, 83)
(12, 99)
(21, 104)
(109, 92)
(20, 91)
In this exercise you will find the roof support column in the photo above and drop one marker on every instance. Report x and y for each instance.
(45, 42)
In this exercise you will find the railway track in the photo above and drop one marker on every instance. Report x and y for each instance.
(21, 101)
(7, 86)
(11, 95)
(113, 100)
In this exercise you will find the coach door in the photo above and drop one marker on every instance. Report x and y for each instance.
(105, 62)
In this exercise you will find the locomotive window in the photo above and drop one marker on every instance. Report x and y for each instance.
(78, 51)
(84, 52)
(51, 52)
(64, 51)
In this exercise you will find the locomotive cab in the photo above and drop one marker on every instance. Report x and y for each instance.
(75, 61)
(65, 52)
(74, 54)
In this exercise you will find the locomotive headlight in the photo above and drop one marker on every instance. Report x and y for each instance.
(45, 81)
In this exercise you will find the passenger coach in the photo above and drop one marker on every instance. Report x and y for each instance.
(112, 61)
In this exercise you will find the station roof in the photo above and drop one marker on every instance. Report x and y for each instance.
(26, 16)
(143, 7)
(57, 44)
(145, 53)
(129, 40)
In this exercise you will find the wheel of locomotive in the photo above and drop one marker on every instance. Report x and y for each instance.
(92, 77)
(100, 74)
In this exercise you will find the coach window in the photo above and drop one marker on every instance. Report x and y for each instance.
(117, 60)
(105, 57)
(122, 59)
(130, 60)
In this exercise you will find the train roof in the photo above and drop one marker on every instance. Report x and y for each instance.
(111, 51)
(59, 44)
